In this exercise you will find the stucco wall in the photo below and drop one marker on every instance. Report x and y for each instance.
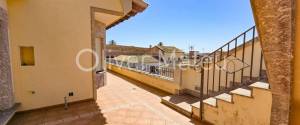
(243, 111)
(190, 79)
(57, 30)
(165, 85)
(295, 113)
(274, 20)
(6, 86)
(3, 4)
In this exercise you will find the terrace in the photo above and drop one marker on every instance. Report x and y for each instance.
(122, 101)
(236, 69)
(259, 81)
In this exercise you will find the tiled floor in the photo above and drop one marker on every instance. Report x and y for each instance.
(121, 102)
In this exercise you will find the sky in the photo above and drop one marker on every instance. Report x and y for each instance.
(204, 24)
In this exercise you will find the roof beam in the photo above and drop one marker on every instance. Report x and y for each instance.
(111, 12)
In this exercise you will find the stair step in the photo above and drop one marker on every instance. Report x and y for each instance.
(182, 107)
(225, 97)
(211, 101)
(196, 105)
(242, 92)
(260, 85)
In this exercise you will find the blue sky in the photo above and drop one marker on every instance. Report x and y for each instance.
(204, 24)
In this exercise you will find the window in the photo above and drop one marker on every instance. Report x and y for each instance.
(27, 56)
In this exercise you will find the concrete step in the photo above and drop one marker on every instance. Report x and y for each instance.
(224, 97)
(210, 101)
(241, 92)
(260, 85)
(182, 107)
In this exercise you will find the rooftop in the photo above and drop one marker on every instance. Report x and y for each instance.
(169, 49)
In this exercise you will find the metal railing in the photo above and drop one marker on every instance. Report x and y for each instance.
(145, 68)
(237, 63)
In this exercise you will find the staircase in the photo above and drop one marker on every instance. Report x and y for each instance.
(235, 94)
(240, 106)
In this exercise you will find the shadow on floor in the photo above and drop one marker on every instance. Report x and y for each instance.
(148, 88)
(184, 98)
(79, 113)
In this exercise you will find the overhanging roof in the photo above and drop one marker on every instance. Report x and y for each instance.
(138, 6)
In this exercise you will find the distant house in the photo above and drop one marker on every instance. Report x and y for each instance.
(140, 59)
(167, 52)
(193, 54)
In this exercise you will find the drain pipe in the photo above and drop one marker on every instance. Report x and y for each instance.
(66, 103)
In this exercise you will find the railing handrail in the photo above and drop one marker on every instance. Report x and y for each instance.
(209, 87)
(231, 41)
(253, 27)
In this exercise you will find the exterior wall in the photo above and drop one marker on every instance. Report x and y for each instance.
(193, 54)
(6, 85)
(154, 51)
(165, 85)
(295, 113)
(57, 30)
(177, 55)
(98, 45)
(191, 78)
(275, 24)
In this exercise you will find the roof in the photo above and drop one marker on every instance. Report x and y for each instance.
(170, 49)
(137, 59)
(109, 46)
(138, 6)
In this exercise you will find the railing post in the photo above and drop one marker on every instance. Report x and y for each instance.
(214, 65)
(226, 81)
(260, 65)
(253, 42)
(235, 51)
(201, 91)
(243, 57)
(220, 71)
(207, 82)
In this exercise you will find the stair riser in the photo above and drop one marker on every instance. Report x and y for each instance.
(210, 114)
(196, 113)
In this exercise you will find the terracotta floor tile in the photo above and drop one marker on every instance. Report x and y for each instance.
(121, 102)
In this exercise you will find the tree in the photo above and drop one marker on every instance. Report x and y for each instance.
(160, 44)
(112, 42)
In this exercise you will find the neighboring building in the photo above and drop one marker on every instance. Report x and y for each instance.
(140, 59)
(168, 52)
(45, 37)
(113, 50)
(193, 54)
